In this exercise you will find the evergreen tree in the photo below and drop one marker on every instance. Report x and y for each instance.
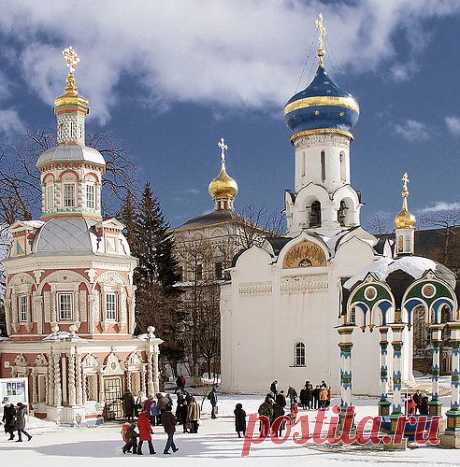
(157, 269)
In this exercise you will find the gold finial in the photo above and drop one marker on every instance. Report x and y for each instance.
(321, 28)
(405, 220)
(223, 147)
(71, 59)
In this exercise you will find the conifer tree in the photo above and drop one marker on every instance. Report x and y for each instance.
(129, 217)
(157, 269)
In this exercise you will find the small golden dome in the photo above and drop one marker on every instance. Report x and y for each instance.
(405, 220)
(223, 186)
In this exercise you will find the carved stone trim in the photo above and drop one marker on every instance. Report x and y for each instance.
(255, 289)
(301, 285)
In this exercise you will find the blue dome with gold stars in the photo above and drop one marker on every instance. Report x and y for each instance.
(323, 106)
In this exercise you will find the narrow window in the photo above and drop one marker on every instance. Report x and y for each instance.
(219, 270)
(299, 357)
(199, 272)
(342, 213)
(323, 166)
(23, 308)
(353, 316)
(50, 197)
(315, 214)
(111, 306)
(401, 244)
(65, 306)
(303, 162)
(343, 168)
(90, 196)
(69, 195)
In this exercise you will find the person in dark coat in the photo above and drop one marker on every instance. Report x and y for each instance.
(309, 394)
(128, 405)
(181, 413)
(281, 400)
(145, 432)
(180, 383)
(266, 409)
(423, 407)
(9, 419)
(278, 411)
(169, 424)
(240, 420)
(315, 394)
(303, 398)
(212, 396)
(417, 398)
(274, 388)
(130, 435)
(21, 412)
(292, 394)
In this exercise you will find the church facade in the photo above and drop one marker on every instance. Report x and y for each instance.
(287, 299)
(69, 301)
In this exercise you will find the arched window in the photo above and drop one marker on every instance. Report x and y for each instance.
(299, 355)
(342, 213)
(323, 166)
(49, 197)
(315, 214)
(304, 163)
(343, 168)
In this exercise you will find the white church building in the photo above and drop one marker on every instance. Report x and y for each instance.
(281, 309)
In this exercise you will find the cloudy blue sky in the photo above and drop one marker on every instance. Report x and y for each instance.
(169, 78)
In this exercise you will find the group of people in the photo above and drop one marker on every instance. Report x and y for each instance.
(144, 414)
(310, 397)
(416, 403)
(14, 420)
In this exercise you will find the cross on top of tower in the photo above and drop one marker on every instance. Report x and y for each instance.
(223, 147)
(405, 180)
(321, 28)
(71, 58)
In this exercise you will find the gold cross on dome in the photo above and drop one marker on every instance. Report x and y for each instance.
(71, 58)
(223, 148)
(321, 28)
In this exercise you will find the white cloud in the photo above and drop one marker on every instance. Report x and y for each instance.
(453, 125)
(10, 123)
(440, 206)
(243, 53)
(192, 191)
(412, 130)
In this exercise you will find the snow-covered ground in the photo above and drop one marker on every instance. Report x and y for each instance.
(215, 445)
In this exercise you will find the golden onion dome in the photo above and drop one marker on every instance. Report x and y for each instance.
(223, 186)
(405, 219)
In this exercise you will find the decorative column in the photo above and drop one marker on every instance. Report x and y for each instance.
(397, 343)
(156, 376)
(50, 385)
(435, 406)
(143, 387)
(83, 389)
(384, 403)
(72, 380)
(345, 331)
(78, 379)
(153, 384)
(451, 436)
(34, 386)
(101, 388)
(150, 389)
(57, 380)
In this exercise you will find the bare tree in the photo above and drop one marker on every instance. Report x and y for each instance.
(448, 220)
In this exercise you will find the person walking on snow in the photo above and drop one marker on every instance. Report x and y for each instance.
(21, 412)
(9, 419)
(240, 420)
(169, 424)
(145, 432)
(212, 396)
(193, 415)
(129, 435)
(274, 388)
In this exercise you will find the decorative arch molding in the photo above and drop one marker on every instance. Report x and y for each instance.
(344, 192)
(312, 192)
(113, 366)
(433, 294)
(376, 301)
(110, 278)
(63, 276)
(21, 279)
(90, 363)
(69, 171)
(303, 253)
(134, 362)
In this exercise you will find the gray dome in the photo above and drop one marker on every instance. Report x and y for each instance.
(66, 236)
(70, 153)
